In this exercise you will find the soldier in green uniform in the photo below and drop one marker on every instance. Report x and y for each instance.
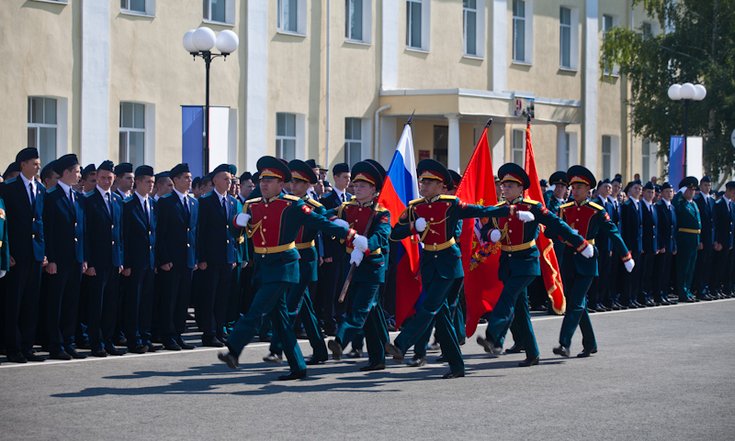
(434, 219)
(590, 220)
(519, 261)
(273, 222)
(687, 237)
(367, 217)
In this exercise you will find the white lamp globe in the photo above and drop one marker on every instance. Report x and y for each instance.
(204, 39)
(675, 92)
(699, 92)
(188, 41)
(227, 42)
(687, 91)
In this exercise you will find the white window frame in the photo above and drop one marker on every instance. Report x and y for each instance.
(353, 142)
(60, 127)
(229, 12)
(649, 160)
(282, 8)
(425, 25)
(606, 156)
(518, 146)
(149, 8)
(366, 19)
(608, 22)
(283, 137)
(124, 151)
(527, 20)
(479, 37)
(573, 28)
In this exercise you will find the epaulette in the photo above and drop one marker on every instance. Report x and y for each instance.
(501, 203)
(128, 199)
(52, 189)
(379, 208)
(568, 204)
(531, 201)
(89, 194)
(167, 195)
(11, 180)
(291, 197)
(313, 202)
(253, 200)
(416, 201)
(447, 197)
(595, 205)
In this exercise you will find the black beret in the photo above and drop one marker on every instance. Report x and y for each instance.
(270, 167)
(26, 154)
(107, 165)
(90, 168)
(649, 186)
(12, 168)
(617, 179)
(604, 181)
(456, 178)
(689, 182)
(219, 169)
(432, 169)
(64, 162)
(232, 169)
(666, 185)
(630, 184)
(340, 168)
(195, 182)
(48, 169)
(705, 178)
(245, 176)
(123, 167)
(178, 170)
(559, 177)
(144, 170)
(543, 183)
(256, 177)
(365, 171)
(378, 167)
(161, 175)
(311, 163)
(730, 185)
(300, 170)
(513, 172)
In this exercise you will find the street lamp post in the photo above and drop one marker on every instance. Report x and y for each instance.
(199, 43)
(686, 92)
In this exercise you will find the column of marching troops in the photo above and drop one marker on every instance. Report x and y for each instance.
(110, 258)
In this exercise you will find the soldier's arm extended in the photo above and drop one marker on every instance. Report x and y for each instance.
(316, 221)
(466, 211)
(555, 227)
(381, 231)
(404, 227)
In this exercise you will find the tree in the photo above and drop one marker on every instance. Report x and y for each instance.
(697, 46)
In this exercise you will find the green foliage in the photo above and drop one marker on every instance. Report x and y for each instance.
(698, 47)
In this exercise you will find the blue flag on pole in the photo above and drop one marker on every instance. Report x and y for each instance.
(676, 160)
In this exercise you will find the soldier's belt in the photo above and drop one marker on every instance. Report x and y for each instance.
(372, 253)
(521, 247)
(305, 245)
(689, 230)
(273, 250)
(439, 246)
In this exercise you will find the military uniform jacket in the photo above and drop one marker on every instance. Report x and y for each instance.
(373, 266)
(591, 221)
(25, 222)
(332, 247)
(219, 238)
(443, 214)
(63, 227)
(706, 206)
(649, 222)
(631, 220)
(666, 226)
(724, 220)
(176, 230)
(602, 241)
(687, 213)
(4, 245)
(273, 227)
(139, 232)
(520, 255)
(305, 244)
(103, 247)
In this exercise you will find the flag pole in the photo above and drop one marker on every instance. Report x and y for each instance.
(410, 118)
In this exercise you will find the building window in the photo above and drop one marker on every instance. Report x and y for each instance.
(356, 22)
(286, 136)
(565, 37)
(469, 24)
(219, 11)
(647, 160)
(646, 30)
(132, 133)
(353, 140)
(417, 24)
(518, 148)
(43, 127)
(292, 16)
(133, 6)
(607, 24)
(519, 30)
(607, 156)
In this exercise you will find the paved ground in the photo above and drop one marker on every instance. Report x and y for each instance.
(661, 374)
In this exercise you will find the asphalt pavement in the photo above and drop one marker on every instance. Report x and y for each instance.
(661, 373)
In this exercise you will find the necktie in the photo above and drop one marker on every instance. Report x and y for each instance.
(33, 194)
(185, 203)
(71, 197)
(107, 203)
(224, 205)
(146, 211)
(342, 197)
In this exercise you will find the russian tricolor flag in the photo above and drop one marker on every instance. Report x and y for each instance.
(401, 187)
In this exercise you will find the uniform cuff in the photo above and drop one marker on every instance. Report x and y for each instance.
(583, 246)
(627, 257)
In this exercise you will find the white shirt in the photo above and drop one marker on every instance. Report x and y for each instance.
(668, 203)
(648, 204)
(182, 196)
(341, 194)
(26, 184)
(66, 188)
(143, 202)
(106, 195)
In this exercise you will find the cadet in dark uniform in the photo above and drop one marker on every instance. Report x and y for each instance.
(600, 292)
(724, 224)
(687, 237)
(631, 220)
(666, 244)
(216, 255)
(139, 228)
(591, 221)
(176, 232)
(703, 268)
(24, 200)
(298, 298)
(103, 250)
(434, 218)
(519, 261)
(368, 218)
(273, 222)
(649, 223)
(64, 233)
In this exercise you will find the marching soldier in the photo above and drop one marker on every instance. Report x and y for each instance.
(298, 298)
(176, 232)
(434, 218)
(703, 268)
(591, 221)
(273, 222)
(64, 233)
(519, 261)
(666, 243)
(724, 224)
(367, 218)
(687, 237)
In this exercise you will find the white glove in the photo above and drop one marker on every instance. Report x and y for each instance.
(495, 235)
(588, 251)
(420, 224)
(2, 273)
(360, 243)
(525, 216)
(241, 220)
(629, 265)
(356, 257)
(342, 223)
